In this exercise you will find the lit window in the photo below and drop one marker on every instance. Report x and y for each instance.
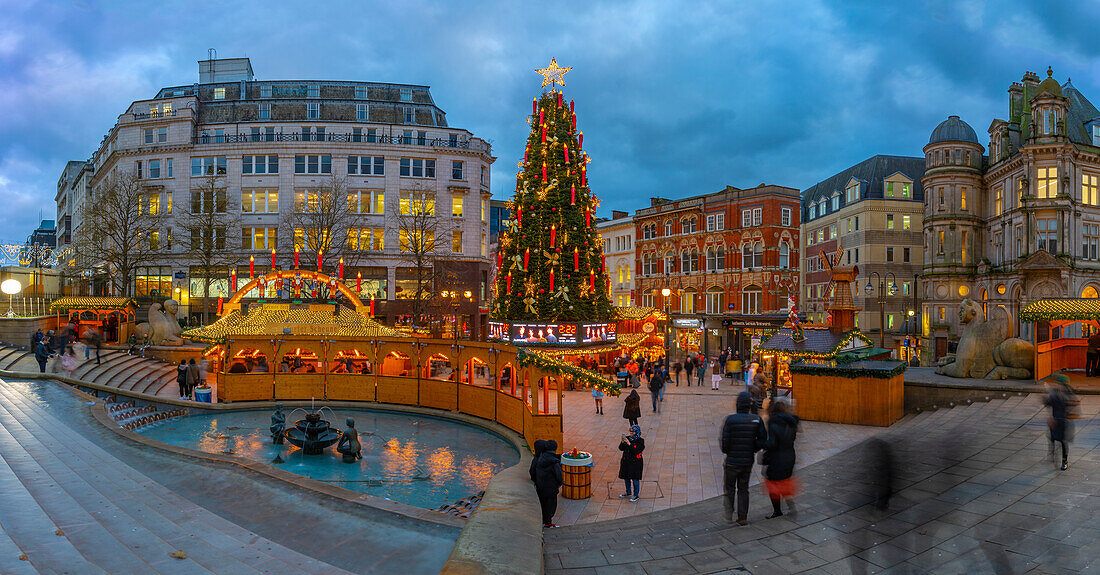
(219, 93)
(417, 203)
(456, 205)
(1090, 184)
(889, 221)
(906, 190)
(906, 222)
(1048, 182)
(260, 201)
(456, 241)
(416, 241)
(962, 198)
(265, 238)
(998, 200)
(889, 189)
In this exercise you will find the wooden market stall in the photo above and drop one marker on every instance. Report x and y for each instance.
(114, 317)
(640, 330)
(1056, 347)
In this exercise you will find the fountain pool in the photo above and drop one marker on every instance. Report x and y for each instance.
(413, 459)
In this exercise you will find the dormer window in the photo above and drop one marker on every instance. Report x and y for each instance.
(821, 206)
(813, 211)
(836, 202)
(1048, 121)
(1096, 134)
(852, 192)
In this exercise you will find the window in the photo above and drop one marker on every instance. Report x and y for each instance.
(889, 321)
(154, 169)
(1090, 241)
(408, 115)
(149, 204)
(716, 222)
(689, 261)
(417, 168)
(313, 91)
(1047, 233)
(757, 216)
(941, 313)
(832, 231)
(746, 217)
(219, 93)
(360, 92)
(148, 135)
(366, 166)
(752, 256)
(784, 255)
(889, 254)
(835, 203)
(1019, 241)
(906, 190)
(785, 217)
(649, 264)
(209, 166)
(207, 202)
(889, 189)
(649, 232)
(484, 252)
(1096, 135)
(266, 238)
(941, 201)
(265, 111)
(265, 91)
(416, 241)
(1090, 184)
(456, 170)
(857, 223)
(670, 262)
(852, 192)
(154, 240)
(456, 205)
(687, 225)
(746, 222)
(306, 201)
(361, 112)
(750, 300)
(716, 258)
(906, 222)
(260, 201)
(905, 287)
(714, 300)
(889, 221)
(162, 135)
(687, 302)
(406, 94)
(820, 235)
(168, 167)
(364, 239)
(998, 200)
(1048, 182)
(367, 202)
(312, 164)
(417, 203)
(456, 241)
(905, 255)
(315, 134)
(313, 111)
(260, 164)
(484, 209)
(962, 198)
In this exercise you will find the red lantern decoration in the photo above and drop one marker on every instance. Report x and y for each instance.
(576, 260)
(251, 267)
(341, 273)
(553, 230)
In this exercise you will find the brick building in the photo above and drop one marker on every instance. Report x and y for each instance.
(730, 260)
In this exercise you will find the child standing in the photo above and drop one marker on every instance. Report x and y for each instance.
(597, 396)
(716, 376)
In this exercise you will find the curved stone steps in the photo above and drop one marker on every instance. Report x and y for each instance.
(106, 376)
(145, 376)
(157, 386)
(145, 520)
(9, 352)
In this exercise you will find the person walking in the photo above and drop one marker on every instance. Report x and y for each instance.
(677, 367)
(632, 369)
(759, 391)
(597, 396)
(193, 378)
(1058, 400)
(632, 409)
(68, 360)
(36, 337)
(181, 378)
(700, 370)
(734, 368)
(779, 456)
(716, 376)
(656, 385)
(41, 354)
(1092, 355)
(750, 373)
(631, 463)
(743, 434)
(92, 339)
(548, 480)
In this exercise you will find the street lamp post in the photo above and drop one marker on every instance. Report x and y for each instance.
(665, 292)
(884, 287)
(10, 287)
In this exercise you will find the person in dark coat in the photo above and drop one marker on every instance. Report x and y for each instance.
(630, 466)
(656, 387)
(759, 391)
(779, 456)
(743, 434)
(1057, 399)
(181, 377)
(677, 367)
(633, 408)
(540, 446)
(41, 354)
(548, 480)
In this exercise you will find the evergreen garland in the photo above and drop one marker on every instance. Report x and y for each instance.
(588, 378)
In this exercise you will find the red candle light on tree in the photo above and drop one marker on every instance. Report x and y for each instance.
(534, 105)
(544, 172)
(572, 194)
(372, 306)
(571, 107)
(576, 260)
(233, 277)
(272, 260)
(541, 120)
(341, 273)
(592, 279)
(526, 257)
(544, 133)
(295, 257)
(519, 216)
(509, 282)
(588, 216)
(565, 149)
(580, 138)
(318, 260)
(359, 283)
(553, 233)
(551, 279)
(251, 267)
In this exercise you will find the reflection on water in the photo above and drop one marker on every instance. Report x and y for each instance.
(421, 461)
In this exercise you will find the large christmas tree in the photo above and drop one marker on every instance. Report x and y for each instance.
(551, 264)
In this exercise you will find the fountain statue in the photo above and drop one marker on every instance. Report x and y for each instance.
(349, 445)
(312, 434)
(278, 424)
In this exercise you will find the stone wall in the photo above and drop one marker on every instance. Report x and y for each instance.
(17, 331)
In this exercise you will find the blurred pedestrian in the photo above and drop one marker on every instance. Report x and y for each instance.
(716, 376)
(779, 456)
(1058, 400)
(192, 378)
(631, 463)
(1092, 355)
(700, 370)
(743, 434)
(68, 360)
(677, 367)
(632, 409)
(656, 385)
(548, 480)
(41, 354)
(759, 391)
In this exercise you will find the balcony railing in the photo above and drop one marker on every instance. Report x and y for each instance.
(465, 144)
(147, 115)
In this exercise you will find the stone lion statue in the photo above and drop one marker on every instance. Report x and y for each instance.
(162, 327)
(985, 351)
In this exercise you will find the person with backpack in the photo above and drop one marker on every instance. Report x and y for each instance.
(779, 456)
(656, 386)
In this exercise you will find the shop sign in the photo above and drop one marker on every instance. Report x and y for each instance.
(684, 322)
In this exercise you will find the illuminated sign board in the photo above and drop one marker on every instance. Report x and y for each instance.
(552, 333)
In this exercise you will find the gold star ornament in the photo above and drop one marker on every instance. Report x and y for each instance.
(553, 74)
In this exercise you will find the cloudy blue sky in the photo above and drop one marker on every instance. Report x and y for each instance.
(675, 98)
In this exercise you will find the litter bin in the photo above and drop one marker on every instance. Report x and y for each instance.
(576, 476)
(203, 395)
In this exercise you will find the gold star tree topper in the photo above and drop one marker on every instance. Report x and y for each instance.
(553, 74)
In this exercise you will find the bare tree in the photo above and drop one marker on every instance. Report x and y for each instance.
(424, 240)
(209, 230)
(116, 228)
(320, 219)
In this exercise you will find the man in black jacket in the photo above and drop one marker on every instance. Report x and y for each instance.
(547, 481)
(743, 434)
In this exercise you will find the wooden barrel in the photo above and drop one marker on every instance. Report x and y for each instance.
(577, 481)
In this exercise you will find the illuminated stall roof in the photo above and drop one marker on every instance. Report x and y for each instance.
(92, 302)
(635, 313)
(818, 343)
(271, 320)
(1066, 309)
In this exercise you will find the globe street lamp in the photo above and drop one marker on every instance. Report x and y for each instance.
(884, 287)
(665, 292)
(10, 287)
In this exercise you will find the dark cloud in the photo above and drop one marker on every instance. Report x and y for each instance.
(675, 98)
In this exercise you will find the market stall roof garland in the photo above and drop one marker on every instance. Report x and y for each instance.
(636, 313)
(90, 302)
(552, 364)
(1070, 309)
(818, 343)
(271, 320)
